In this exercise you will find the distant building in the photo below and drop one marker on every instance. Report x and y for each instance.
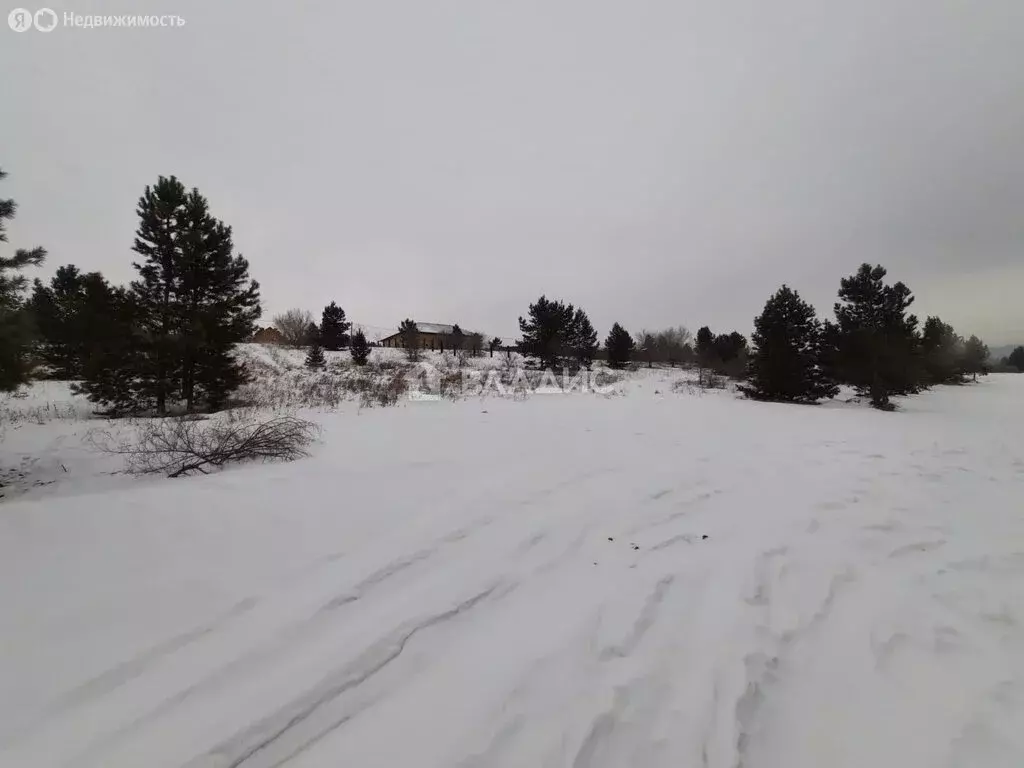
(267, 336)
(431, 336)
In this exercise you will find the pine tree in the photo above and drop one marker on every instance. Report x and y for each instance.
(493, 344)
(705, 348)
(334, 328)
(786, 363)
(457, 338)
(1016, 358)
(582, 339)
(315, 359)
(410, 336)
(360, 349)
(115, 350)
(61, 315)
(546, 335)
(941, 352)
(619, 345)
(15, 324)
(874, 345)
(193, 302)
(312, 335)
(975, 357)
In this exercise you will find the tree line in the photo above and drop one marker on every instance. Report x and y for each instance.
(165, 341)
(873, 345)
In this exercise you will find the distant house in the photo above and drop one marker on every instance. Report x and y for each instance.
(267, 336)
(431, 336)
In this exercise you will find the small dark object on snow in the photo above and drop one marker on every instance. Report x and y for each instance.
(610, 539)
(704, 536)
(635, 547)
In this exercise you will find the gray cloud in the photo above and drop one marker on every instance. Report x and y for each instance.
(656, 161)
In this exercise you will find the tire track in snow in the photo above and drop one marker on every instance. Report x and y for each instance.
(762, 668)
(129, 670)
(648, 615)
(312, 716)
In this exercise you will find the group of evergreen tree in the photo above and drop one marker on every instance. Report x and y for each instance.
(166, 341)
(15, 321)
(558, 335)
(1015, 359)
(724, 353)
(874, 345)
(332, 334)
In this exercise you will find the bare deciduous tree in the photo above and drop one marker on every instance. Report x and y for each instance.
(294, 326)
(184, 445)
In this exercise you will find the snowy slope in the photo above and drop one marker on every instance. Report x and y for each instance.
(646, 580)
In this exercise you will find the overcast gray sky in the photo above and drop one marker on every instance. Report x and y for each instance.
(655, 161)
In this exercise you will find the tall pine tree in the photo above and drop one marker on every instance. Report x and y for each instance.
(705, 347)
(786, 364)
(975, 357)
(1016, 358)
(874, 344)
(193, 302)
(547, 334)
(582, 339)
(941, 352)
(619, 346)
(334, 328)
(15, 325)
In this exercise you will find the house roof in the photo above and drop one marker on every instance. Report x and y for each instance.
(434, 328)
(439, 328)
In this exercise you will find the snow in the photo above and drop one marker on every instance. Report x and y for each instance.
(660, 578)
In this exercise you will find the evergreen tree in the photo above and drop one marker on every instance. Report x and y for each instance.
(334, 328)
(941, 352)
(71, 319)
(874, 345)
(705, 348)
(315, 359)
(786, 364)
(193, 302)
(493, 344)
(410, 335)
(15, 325)
(546, 335)
(475, 344)
(729, 346)
(619, 345)
(975, 357)
(1016, 358)
(360, 349)
(582, 339)
(457, 338)
(114, 354)
(65, 317)
(312, 335)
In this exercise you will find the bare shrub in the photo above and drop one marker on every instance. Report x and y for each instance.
(383, 390)
(185, 445)
(294, 326)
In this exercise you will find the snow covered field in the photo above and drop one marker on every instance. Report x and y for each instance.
(651, 579)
